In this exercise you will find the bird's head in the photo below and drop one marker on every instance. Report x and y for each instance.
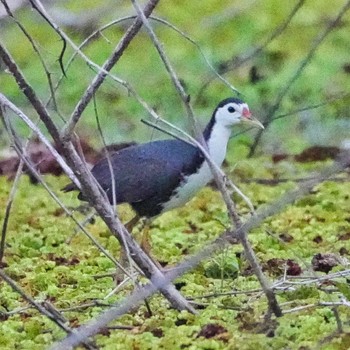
(232, 111)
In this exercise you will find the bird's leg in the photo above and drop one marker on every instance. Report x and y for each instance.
(144, 230)
(146, 241)
(132, 223)
(123, 258)
(145, 237)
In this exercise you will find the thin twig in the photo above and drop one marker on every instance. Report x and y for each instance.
(36, 49)
(223, 294)
(217, 174)
(176, 81)
(8, 209)
(283, 91)
(197, 46)
(296, 111)
(332, 304)
(10, 198)
(89, 185)
(37, 6)
(242, 59)
(41, 309)
(113, 189)
(108, 65)
(136, 298)
(315, 106)
(82, 45)
(337, 318)
(274, 182)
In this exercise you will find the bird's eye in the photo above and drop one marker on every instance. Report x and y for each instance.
(231, 109)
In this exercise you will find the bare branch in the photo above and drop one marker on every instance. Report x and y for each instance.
(197, 46)
(217, 172)
(237, 62)
(8, 209)
(91, 188)
(82, 45)
(41, 309)
(317, 42)
(38, 6)
(29, 92)
(8, 104)
(179, 88)
(98, 80)
(114, 313)
(35, 48)
(9, 200)
(240, 60)
(110, 166)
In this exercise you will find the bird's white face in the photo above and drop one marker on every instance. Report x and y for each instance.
(233, 113)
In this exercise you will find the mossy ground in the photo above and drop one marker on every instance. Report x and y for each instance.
(67, 275)
(70, 275)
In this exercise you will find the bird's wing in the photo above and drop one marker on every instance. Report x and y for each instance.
(147, 170)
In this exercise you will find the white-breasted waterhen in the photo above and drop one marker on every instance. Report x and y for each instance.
(157, 176)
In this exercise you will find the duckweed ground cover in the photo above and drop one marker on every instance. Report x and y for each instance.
(69, 276)
(72, 277)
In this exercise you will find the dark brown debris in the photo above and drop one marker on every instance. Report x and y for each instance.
(343, 251)
(311, 154)
(345, 236)
(325, 262)
(59, 260)
(277, 267)
(211, 330)
(157, 332)
(279, 157)
(316, 153)
(318, 239)
(286, 237)
(45, 163)
(346, 68)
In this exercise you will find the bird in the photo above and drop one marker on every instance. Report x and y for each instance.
(158, 176)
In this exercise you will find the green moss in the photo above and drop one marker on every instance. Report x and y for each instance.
(46, 267)
(40, 261)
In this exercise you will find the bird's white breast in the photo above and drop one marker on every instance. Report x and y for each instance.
(217, 145)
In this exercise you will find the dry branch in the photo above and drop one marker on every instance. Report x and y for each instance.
(89, 186)
(240, 60)
(57, 320)
(35, 48)
(159, 281)
(114, 313)
(7, 104)
(218, 175)
(108, 65)
(317, 42)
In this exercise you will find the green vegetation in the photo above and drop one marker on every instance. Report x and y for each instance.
(47, 268)
(69, 276)
(224, 30)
